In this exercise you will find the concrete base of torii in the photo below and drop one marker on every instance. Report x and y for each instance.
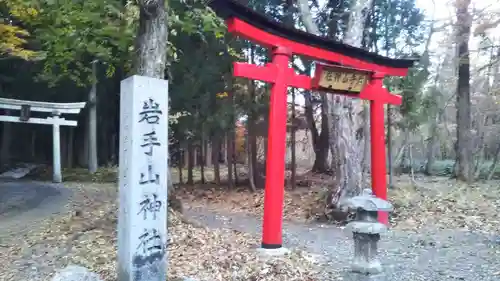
(268, 253)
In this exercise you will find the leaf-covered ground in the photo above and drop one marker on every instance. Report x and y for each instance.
(450, 204)
(86, 236)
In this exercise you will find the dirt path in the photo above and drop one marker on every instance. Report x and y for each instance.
(27, 250)
(24, 206)
(430, 255)
(25, 203)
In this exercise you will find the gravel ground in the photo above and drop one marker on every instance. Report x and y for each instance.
(24, 206)
(430, 254)
(25, 203)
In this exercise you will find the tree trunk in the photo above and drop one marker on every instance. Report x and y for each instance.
(343, 112)
(233, 146)
(92, 123)
(195, 156)
(251, 134)
(251, 178)
(202, 163)
(405, 154)
(216, 159)
(412, 172)
(463, 148)
(229, 155)
(190, 164)
(223, 148)
(63, 137)
(33, 145)
(208, 154)
(366, 147)
(112, 148)
(493, 167)
(433, 131)
(479, 153)
(400, 155)
(431, 144)
(320, 165)
(290, 22)
(186, 157)
(367, 43)
(5, 154)
(71, 141)
(494, 70)
(180, 165)
(151, 44)
(320, 142)
(83, 155)
(252, 144)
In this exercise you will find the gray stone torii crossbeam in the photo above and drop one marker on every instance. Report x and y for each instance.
(55, 110)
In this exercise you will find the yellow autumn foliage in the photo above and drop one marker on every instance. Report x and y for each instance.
(13, 38)
(222, 95)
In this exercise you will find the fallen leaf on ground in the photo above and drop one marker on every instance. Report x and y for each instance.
(86, 236)
(450, 204)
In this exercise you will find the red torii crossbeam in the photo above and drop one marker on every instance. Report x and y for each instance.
(284, 43)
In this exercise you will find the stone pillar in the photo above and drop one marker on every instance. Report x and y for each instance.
(142, 222)
(56, 148)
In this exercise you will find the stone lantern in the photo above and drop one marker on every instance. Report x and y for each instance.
(366, 231)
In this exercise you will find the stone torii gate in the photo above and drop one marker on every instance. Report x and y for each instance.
(341, 69)
(55, 110)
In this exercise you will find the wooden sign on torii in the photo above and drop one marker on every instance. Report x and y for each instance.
(364, 80)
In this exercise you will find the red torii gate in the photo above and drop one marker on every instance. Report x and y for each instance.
(285, 42)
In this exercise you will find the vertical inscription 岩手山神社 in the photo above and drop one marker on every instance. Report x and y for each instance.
(151, 246)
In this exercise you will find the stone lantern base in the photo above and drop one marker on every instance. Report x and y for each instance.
(366, 237)
(365, 253)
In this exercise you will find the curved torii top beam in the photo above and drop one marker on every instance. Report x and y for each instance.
(247, 23)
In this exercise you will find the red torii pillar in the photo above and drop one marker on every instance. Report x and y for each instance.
(281, 76)
(379, 96)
